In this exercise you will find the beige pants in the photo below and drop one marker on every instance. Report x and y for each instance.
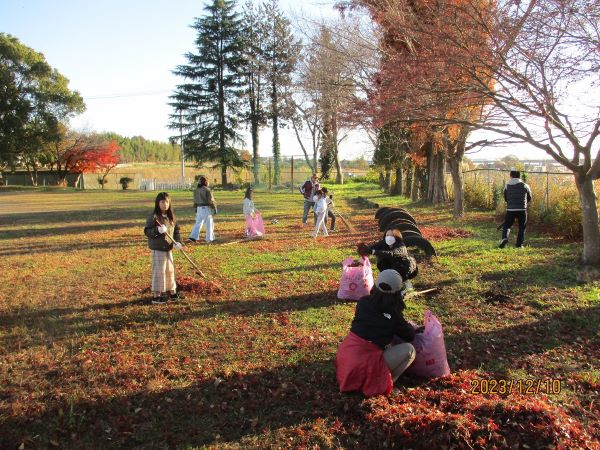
(398, 358)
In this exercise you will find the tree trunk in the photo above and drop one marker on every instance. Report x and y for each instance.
(436, 188)
(381, 180)
(589, 211)
(224, 175)
(276, 146)
(457, 183)
(255, 160)
(387, 184)
(408, 185)
(339, 177)
(397, 189)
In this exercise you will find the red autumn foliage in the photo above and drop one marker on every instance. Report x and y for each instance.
(89, 158)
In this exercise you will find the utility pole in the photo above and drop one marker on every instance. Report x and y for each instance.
(182, 152)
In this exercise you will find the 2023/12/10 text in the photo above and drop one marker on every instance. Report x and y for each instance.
(501, 386)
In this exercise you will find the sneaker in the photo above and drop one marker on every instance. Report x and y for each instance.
(519, 246)
(158, 301)
(503, 243)
(192, 240)
(332, 230)
(178, 296)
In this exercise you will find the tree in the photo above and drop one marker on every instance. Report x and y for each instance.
(541, 56)
(206, 102)
(280, 57)
(255, 42)
(107, 158)
(34, 101)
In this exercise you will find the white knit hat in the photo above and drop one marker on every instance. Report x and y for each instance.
(391, 280)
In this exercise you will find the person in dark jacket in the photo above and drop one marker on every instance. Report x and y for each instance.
(517, 195)
(163, 235)
(308, 189)
(206, 207)
(366, 361)
(391, 253)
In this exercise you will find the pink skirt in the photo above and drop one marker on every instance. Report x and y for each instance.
(360, 366)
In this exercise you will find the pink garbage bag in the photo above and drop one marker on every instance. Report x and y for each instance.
(431, 360)
(255, 226)
(356, 281)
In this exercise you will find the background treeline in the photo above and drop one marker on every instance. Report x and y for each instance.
(138, 149)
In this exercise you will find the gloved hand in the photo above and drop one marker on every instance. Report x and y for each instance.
(162, 229)
(362, 249)
(177, 245)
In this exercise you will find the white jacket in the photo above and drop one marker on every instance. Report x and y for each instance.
(248, 207)
(321, 206)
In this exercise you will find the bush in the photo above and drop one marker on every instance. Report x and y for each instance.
(125, 181)
(371, 176)
(477, 195)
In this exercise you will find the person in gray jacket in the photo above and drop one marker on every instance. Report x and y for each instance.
(517, 195)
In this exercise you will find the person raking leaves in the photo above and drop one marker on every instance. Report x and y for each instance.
(366, 361)
(391, 253)
(159, 226)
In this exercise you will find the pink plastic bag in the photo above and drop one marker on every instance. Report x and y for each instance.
(356, 281)
(431, 360)
(255, 226)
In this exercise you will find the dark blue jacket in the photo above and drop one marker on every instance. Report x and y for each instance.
(517, 195)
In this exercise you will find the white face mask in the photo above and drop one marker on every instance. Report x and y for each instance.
(390, 240)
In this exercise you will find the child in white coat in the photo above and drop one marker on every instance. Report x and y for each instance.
(320, 212)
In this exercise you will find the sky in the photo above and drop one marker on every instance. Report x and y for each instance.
(119, 55)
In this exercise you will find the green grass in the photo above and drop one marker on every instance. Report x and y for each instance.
(87, 363)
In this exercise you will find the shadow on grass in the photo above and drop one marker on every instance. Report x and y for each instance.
(41, 247)
(18, 233)
(548, 332)
(47, 326)
(210, 411)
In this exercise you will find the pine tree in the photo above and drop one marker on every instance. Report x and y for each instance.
(281, 52)
(205, 102)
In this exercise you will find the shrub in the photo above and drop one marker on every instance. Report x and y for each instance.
(476, 195)
(125, 181)
(371, 176)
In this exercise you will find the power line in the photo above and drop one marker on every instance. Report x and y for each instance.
(130, 94)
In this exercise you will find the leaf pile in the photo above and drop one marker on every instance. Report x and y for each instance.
(439, 233)
(445, 414)
(197, 287)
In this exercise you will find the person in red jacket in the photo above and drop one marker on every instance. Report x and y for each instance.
(365, 360)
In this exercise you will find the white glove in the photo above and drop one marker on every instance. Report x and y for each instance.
(177, 245)
(162, 229)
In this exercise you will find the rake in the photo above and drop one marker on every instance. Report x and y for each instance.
(198, 271)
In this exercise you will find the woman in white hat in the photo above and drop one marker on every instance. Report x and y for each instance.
(365, 360)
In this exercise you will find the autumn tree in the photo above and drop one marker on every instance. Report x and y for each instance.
(206, 102)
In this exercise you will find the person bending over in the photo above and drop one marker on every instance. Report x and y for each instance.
(366, 361)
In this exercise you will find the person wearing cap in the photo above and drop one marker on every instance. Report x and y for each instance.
(517, 195)
(308, 190)
(391, 253)
(365, 360)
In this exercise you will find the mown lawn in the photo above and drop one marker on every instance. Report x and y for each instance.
(85, 362)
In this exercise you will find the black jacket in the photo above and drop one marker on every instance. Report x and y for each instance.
(517, 195)
(157, 241)
(395, 257)
(380, 325)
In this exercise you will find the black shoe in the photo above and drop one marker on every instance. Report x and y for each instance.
(503, 243)
(192, 240)
(159, 300)
(178, 296)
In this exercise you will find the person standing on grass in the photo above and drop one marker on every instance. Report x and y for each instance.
(517, 195)
(249, 209)
(320, 213)
(366, 361)
(329, 200)
(391, 253)
(308, 190)
(205, 206)
(163, 235)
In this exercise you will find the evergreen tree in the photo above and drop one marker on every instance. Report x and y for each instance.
(281, 55)
(205, 103)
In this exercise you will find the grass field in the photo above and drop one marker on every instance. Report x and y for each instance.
(87, 363)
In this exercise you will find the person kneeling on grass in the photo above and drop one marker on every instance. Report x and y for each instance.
(159, 226)
(365, 360)
(391, 253)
